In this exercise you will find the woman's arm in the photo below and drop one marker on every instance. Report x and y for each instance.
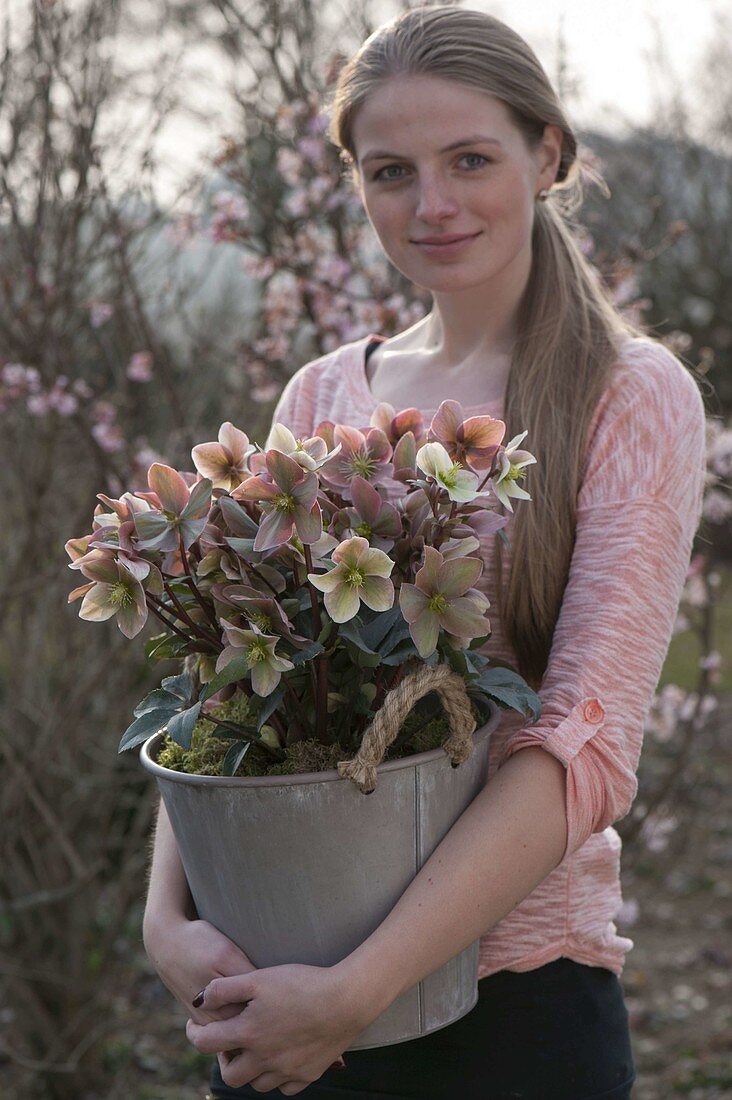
(168, 895)
(186, 952)
(510, 837)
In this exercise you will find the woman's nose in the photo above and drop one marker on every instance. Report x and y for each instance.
(435, 200)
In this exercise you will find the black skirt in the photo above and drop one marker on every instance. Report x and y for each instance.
(559, 1032)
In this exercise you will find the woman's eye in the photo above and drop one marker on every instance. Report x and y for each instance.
(380, 175)
(483, 160)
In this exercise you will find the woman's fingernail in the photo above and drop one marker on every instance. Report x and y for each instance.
(198, 999)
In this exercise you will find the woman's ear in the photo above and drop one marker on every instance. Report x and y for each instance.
(550, 154)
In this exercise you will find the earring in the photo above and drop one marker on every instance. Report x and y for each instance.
(543, 195)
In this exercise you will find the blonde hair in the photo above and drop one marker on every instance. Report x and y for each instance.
(569, 330)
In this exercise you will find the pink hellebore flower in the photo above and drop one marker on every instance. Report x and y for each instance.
(362, 455)
(225, 462)
(473, 442)
(512, 462)
(115, 589)
(395, 425)
(265, 665)
(310, 453)
(372, 517)
(438, 600)
(361, 573)
(179, 509)
(262, 611)
(288, 497)
(461, 485)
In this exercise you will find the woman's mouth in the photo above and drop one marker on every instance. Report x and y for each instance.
(448, 248)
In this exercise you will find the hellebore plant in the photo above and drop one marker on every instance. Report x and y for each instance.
(308, 576)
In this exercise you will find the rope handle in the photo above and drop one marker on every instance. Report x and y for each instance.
(390, 717)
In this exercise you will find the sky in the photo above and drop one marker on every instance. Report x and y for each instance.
(608, 46)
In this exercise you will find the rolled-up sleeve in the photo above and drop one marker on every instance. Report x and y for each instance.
(638, 511)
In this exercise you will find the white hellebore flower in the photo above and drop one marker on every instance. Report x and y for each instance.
(310, 453)
(512, 469)
(461, 484)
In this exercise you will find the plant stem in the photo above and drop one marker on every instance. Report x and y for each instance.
(313, 594)
(255, 572)
(185, 617)
(197, 595)
(321, 707)
(321, 686)
(240, 732)
(154, 605)
(302, 731)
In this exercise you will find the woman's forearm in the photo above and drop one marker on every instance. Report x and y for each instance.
(507, 841)
(168, 895)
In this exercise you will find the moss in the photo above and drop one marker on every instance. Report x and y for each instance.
(419, 733)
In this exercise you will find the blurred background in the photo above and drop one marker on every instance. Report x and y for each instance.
(176, 241)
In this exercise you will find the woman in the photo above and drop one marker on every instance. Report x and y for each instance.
(452, 129)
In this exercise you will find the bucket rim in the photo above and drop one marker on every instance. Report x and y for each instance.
(150, 746)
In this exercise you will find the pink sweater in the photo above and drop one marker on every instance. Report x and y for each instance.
(638, 511)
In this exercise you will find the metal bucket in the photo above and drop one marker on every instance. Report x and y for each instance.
(303, 868)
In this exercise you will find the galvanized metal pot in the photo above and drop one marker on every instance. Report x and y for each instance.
(303, 868)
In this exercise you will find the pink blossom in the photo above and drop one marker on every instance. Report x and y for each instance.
(289, 165)
(712, 663)
(99, 313)
(259, 267)
(230, 222)
(139, 368)
(311, 148)
(104, 412)
(628, 913)
(183, 229)
(717, 506)
(13, 374)
(298, 203)
(262, 394)
(38, 404)
(82, 388)
(108, 436)
(318, 123)
(656, 830)
(64, 403)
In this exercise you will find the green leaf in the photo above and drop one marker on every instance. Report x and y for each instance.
(476, 643)
(234, 757)
(269, 705)
(456, 660)
(156, 700)
(237, 669)
(511, 690)
(300, 656)
(364, 656)
(377, 629)
(398, 634)
(401, 653)
(352, 631)
(162, 647)
(181, 726)
(180, 686)
(243, 548)
(145, 726)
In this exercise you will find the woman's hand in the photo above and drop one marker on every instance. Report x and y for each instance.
(188, 954)
(295, 1022)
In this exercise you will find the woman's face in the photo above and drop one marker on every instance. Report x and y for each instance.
(485, 188)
